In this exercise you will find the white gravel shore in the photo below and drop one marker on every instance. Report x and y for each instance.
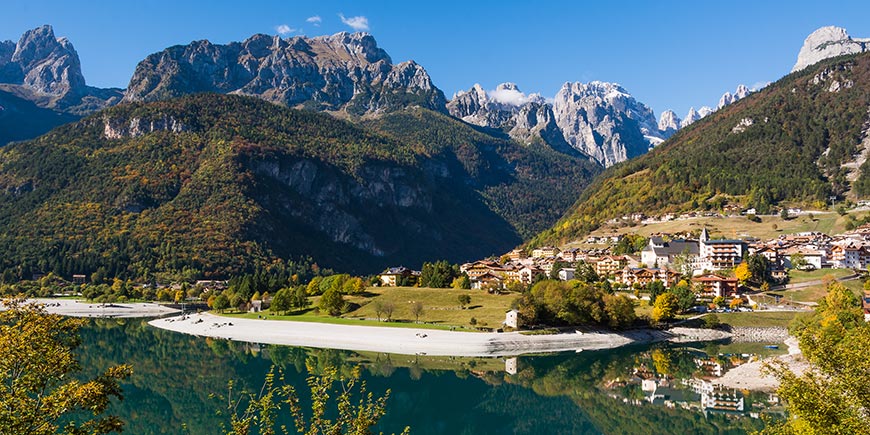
(74, 308)
(749, 376)
(411, 341)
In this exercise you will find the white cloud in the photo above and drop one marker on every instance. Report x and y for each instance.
(512, 96)
(284, 29)
(359, 23)
(316, 20)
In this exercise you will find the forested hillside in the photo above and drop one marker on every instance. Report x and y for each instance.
(215, 185)
(801, 139)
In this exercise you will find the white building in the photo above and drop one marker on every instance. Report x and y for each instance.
(512, 319)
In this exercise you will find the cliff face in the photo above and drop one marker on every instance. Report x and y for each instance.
(827, 42)
(338, 72)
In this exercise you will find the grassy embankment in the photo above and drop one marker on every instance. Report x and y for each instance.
(814, 292)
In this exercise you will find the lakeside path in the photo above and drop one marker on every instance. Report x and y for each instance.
(409, 341)
(74, 308)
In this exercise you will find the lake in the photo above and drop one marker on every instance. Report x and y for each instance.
(662, 389)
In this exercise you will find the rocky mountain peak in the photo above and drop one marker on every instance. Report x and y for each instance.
(728, 98)
(827, 42)
(344, 71)
(695, 115)
(42, 63)
(669, 123)
(604, 121)
(360, 46)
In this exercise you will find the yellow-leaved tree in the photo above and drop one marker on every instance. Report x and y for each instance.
(38, 394)
(742, 273)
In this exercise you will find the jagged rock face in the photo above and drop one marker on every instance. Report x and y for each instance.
(477, 107)
(342, 71)
(42, 63)
(525, 118)
(507, 108)
(669, 123)
(828, 42)
(604, 121)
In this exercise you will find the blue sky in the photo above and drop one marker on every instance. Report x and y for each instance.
(668, 54)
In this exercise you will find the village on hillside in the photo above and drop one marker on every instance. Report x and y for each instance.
(670, 258)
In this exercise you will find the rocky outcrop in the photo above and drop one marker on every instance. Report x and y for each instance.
(828, 42)
(339, 72)
(526, 118)
(137, 127)
(602, 120)
(599, 120)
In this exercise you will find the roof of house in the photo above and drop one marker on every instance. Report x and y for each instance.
(711, 277)
(725, 242)
(673, 247)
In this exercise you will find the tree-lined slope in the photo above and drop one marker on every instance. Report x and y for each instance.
(800, 139)
(222, 184)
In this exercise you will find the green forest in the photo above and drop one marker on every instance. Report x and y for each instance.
(211, 186)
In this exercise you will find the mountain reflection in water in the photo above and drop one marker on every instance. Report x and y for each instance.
(635, 390)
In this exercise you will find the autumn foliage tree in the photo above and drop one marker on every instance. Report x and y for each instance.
(39, 392)
(665, 307)
(742, 273)
(833, 396)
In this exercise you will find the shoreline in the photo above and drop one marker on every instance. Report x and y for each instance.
(76, 308)
(412, 341)
(749, 376)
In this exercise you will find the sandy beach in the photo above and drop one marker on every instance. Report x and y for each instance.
(750, 377)
(409, 341)
(73, 308)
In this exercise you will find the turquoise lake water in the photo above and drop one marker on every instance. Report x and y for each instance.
(636, 390)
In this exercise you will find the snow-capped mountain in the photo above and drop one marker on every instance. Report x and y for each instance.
(827, 42)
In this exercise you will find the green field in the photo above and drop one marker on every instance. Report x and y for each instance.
(797, 276)
(814, 293)
(441, 309)
(739, 226)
